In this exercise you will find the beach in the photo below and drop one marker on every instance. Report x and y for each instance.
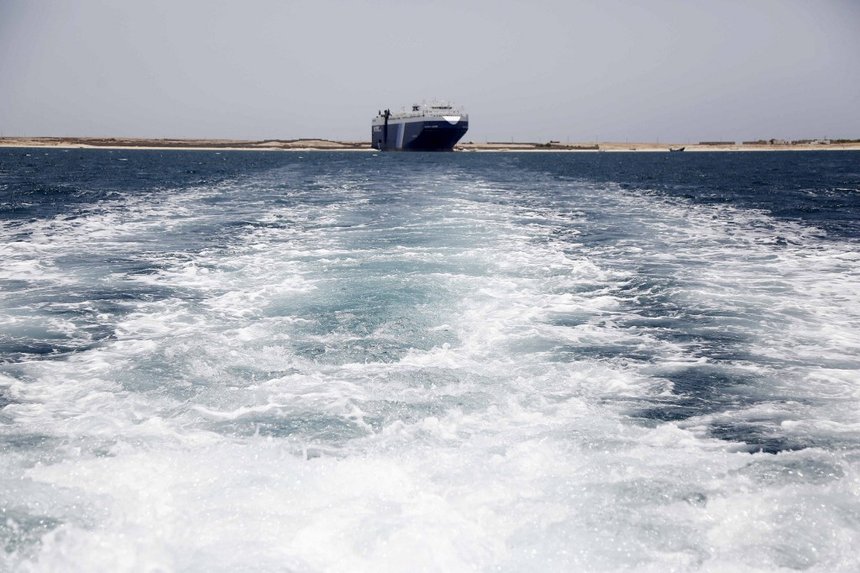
(309, 144)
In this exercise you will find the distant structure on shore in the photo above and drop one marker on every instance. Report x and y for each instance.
(433, 127)
(796, 141)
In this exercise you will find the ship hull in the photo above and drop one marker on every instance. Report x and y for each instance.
(427, 134)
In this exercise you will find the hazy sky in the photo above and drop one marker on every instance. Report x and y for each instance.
(577, 70)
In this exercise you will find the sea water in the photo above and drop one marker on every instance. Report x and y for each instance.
(314, 361)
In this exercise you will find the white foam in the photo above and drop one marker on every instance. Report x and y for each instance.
(322, 391)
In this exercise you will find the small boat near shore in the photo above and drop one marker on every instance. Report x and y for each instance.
(676, 149)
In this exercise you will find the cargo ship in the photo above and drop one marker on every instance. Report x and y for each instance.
(427, 127)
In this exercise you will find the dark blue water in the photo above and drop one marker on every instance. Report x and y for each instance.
(492, 361)
(816, 188)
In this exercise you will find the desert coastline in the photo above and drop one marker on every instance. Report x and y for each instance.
(315, 144)
(186, 144)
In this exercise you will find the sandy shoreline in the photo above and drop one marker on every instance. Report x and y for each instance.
(189, 144)
(329, 145)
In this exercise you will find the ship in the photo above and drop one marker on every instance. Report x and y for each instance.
(427, 127)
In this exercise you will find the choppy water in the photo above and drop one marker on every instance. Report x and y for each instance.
(494, 362)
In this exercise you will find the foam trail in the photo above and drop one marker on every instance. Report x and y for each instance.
(352, 363)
